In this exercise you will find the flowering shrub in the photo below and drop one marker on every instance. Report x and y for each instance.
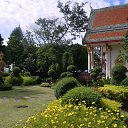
(74, 116)
(79, 94)
(118, 93)
(111, 104)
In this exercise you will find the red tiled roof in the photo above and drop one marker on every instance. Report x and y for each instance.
(110, 16)
(107, 24)
(103, 35)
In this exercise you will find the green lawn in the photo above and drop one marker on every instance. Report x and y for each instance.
(11, 102)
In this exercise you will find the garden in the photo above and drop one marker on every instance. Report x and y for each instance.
(74, 104)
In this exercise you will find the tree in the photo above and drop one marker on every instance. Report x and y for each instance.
(74, 16)
(50, 31)
(15, 47)
(29, 54)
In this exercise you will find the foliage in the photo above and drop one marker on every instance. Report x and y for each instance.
(125, 82)
(29, 54)
(96, 74)
(49, 54)
(71, 68)
(66, 74)
(15, 47)
(118, 74)
(110, 104)
(64, 85)
(75, 55)
(27, 74)
(73, 116)
(31, 80)
(16, 71)
(52, 74)
(79, 94)
(118, 93)
(17, 80)
(74, 16)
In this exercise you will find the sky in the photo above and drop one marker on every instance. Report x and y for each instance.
(25, 12)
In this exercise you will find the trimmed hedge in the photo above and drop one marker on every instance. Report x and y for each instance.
(110, 104)
(31, 80)
(80, 94)
(65, 85)
(118, 93)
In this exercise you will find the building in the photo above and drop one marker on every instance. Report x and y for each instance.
(106, 31)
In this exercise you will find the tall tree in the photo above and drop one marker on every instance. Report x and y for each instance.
(50, 31)
(15, 47)
(74, 16)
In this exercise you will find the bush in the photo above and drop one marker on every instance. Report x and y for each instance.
(118, 74)
(6, 74)
(66, 74)
(52, 74)
(71, 68)
(16, 71)
(64, 85)
(17, 81)
(33, 80)
(125, 82)
(6, 83)
(110, 104)
(118, 93)
(96, 74)
(27, 74)
(79, 94)
(72, 116)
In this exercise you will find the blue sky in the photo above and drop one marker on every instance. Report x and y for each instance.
(25, 12)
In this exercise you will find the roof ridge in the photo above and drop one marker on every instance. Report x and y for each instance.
(110, 7)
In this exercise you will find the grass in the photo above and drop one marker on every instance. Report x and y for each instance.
(11, 102)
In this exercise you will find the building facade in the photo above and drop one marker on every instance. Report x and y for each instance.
(106, 31)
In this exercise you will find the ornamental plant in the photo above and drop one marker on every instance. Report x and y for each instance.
(79, 94)
(65, 85)
(118, 74)
(74, 116)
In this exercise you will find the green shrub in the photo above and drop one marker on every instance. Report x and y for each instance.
(6, 74)
(118, 93)
(72, 116)
(31, 80)
(71, 68)
(118, 74)
(125, 82)
(6, 83)
(64, 85)
(16, 71)
(96, 74)
(110, 104)
(17, 81)
(66, 74)
(27, 74)
(52, 74)
(79, 94)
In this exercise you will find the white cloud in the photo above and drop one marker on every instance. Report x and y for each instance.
(26, 12)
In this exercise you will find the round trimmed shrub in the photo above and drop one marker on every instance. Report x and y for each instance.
(118, 74)
(80, 94)
(125, 82)
(65, 85)
(16, 71)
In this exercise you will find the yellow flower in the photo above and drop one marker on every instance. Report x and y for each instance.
(115, 125)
